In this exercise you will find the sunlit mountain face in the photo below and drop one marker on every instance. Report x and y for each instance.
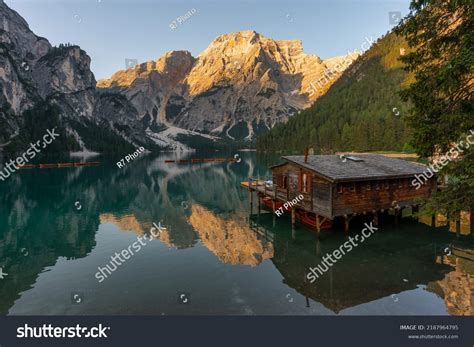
(242, 84)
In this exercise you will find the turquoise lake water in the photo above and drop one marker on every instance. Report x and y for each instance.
(59, 226)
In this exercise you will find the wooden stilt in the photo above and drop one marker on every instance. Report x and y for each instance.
(259, 203)
(397, 217)
(414, 211)
(293, 216)
(274, 215)
(433, 220)
(376, 218)
(318, 247)
(250, 196)
(318, 224)
(346, 225)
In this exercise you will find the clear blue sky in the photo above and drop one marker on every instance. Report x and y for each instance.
(112, 30)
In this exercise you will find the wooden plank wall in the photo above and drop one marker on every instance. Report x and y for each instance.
(382, 195)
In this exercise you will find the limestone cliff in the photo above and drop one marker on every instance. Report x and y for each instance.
(243, 83)
(34, 73)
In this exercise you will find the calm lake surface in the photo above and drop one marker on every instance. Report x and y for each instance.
(58, 226)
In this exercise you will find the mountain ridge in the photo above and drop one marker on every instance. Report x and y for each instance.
(243, 83)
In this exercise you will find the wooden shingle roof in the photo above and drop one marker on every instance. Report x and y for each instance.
(368, 167)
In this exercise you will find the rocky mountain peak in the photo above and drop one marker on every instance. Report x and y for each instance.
(241, 39)
(241, 84)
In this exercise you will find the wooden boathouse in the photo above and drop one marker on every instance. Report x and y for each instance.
(338, 186)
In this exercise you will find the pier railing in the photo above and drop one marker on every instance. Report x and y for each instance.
(266, 186)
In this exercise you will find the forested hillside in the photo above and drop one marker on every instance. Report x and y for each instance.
(362, 111)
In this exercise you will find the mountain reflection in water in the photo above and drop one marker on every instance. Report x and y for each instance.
(232, 263)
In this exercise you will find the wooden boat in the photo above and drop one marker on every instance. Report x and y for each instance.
(309, 218)
(27, 166)
(48, 166)
(268, 202)
(254, 183)
(65, 165)
(58, 165)
(303, 216)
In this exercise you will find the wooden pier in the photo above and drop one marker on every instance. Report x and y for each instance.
(57, 165)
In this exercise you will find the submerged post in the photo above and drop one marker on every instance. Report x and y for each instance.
(258, 202)
(414, 212)
(397, 216)
(346, 225)
(318, 224)
(250, 195)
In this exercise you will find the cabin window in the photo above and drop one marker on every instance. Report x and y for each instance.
(339, 188)
(353, 187)
(377, 185)
(305, 182)
(400, 183)
(386, 184)
(368, 186)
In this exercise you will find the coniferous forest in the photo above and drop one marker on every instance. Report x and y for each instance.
(362, 111)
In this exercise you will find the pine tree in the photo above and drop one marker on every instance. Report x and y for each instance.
(440, 33)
